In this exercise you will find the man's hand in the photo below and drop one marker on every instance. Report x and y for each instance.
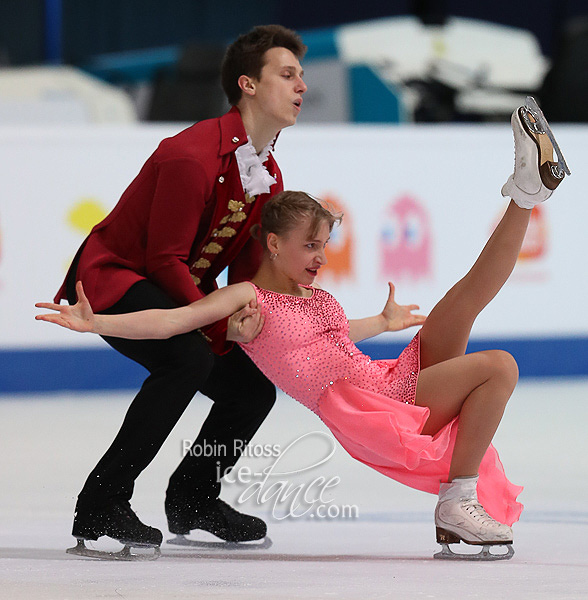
(245, 325)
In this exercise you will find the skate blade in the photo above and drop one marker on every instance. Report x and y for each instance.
(182, 540)
(80, 549)
(537, 123)
(484, 555)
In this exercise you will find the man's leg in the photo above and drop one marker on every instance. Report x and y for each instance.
(242, 397)
(178, 367)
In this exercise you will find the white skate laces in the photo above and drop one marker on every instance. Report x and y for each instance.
(459, 516)
(536, 174)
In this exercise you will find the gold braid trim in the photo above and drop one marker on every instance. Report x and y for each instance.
(201, 263)
(237, 217)
(212, 248)
(227, 232)
(235, 205)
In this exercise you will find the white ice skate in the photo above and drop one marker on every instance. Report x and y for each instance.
(536, 174)
(460, 517)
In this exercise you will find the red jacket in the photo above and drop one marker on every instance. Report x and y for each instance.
(180, 223)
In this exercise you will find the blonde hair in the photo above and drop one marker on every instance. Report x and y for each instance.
(284, 212)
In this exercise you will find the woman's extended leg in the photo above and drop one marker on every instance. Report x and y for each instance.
(447, 329)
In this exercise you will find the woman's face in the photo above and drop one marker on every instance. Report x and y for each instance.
(300, 254)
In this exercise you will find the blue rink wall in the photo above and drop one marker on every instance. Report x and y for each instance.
(32, 371)
(419, 203)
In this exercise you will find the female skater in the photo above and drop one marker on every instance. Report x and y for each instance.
(426, 419)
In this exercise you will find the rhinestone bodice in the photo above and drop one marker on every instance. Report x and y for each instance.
(304, 348)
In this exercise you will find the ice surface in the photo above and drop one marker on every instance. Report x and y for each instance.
(50, 443)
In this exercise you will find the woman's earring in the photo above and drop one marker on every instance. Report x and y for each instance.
(273, 256)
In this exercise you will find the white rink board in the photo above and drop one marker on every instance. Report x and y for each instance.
(451, 176)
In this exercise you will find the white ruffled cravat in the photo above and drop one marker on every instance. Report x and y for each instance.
(254, 176)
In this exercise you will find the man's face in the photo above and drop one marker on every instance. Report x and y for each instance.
(280, 87)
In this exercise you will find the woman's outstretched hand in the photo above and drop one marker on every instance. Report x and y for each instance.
(78, 317)
(398, 316)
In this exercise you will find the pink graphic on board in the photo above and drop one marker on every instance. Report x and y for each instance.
(405, 241)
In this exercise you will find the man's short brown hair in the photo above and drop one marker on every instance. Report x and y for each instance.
(245, 55)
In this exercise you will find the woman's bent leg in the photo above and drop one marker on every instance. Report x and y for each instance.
(476, 387)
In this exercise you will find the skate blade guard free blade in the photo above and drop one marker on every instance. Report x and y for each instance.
(125, 554)
(484, 555)
(537, 124)
(183, 541)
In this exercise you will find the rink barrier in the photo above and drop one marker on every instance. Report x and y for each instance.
(52, 370)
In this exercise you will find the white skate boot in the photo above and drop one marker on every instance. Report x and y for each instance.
(460, 517)
(536, 174)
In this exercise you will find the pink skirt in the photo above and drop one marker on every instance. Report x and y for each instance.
(385, 434)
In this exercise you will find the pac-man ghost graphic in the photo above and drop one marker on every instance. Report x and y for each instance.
(535, 243)
(339, 250)
(405, 241)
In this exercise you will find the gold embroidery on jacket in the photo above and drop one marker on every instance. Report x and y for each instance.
(237, 217)
(201, 263)
(227, 232)
(235, 205)
(212, 248)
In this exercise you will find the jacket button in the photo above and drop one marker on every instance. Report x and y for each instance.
(235, 140)
(221, 179)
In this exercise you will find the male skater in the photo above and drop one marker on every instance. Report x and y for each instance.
(185, 217)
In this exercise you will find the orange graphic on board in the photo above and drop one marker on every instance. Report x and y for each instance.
(339, 250)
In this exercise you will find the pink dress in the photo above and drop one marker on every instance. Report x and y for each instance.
(368, 405)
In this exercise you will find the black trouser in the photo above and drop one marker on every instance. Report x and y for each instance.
(179, 367)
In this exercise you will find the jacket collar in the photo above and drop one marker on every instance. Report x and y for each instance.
(233, 132)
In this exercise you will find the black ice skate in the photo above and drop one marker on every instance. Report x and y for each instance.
(217, 518)
(117, 521)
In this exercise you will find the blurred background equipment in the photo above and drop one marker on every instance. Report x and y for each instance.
(60, 94)
(411, 60)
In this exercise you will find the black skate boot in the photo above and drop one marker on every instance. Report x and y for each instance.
(118, 521)
(216, 517)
